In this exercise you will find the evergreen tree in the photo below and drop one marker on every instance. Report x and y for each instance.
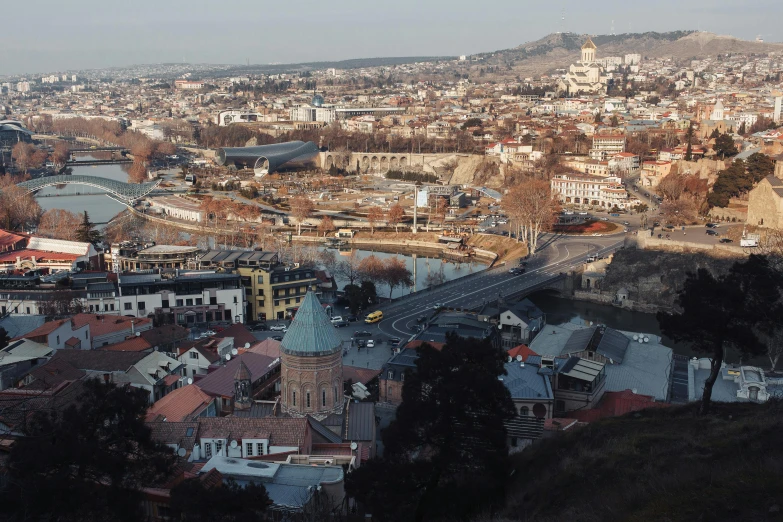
(191, 501)
(86, 232)
(724, 146)
(689, 149)
(4, 338)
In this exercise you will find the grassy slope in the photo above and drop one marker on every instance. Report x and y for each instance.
(661, 464)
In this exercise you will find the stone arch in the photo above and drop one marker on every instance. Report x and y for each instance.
(365, 163)
(394, 162)
(309, 398)
(329, 162)
(294, 395)
(384, 163)
(403, 161)
(374, 163)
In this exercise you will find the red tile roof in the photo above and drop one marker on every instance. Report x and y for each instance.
(362, 375)
(522, 350)
(106, 324)
(614, 404)
(268, 347)
(9, 239)
(220, 382)
(240, 333)
(281, 431)
(39, 255)
(134, 344)
(417, 343)
(46, 328)
(181, 404)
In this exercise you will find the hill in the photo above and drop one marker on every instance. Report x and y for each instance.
(558, 51)
(659, 464)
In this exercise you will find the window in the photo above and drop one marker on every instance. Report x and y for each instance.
(90, 309)
(249, 449)
(323, 397)
(179, 302)
(164, 303)
(213, 300)
(259, 448)
(189, 302)
(193, 355)
(235, 299)
(218, 446)
(199, 301)
(293, 398)
(391, 374)
(142, 305)
(28, 310)
(207, 450)
(189, 432)
(260, 280)
(128, 306)
(111, 307)
(286, 279)
(58, 339)
(308, 399)
(180, 318)
(523, 411)
(288, 301)
(227, 315)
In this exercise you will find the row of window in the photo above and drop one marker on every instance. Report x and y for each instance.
(251, 449)
(295, 276)
(307, 398)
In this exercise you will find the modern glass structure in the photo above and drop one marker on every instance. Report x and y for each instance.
(264, 159)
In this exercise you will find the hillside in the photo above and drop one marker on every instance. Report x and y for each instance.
(656, 465)
(558, 51)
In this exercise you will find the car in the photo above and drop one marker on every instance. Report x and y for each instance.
(258, 327)
(627, 224)
(370, 343)
(394, 341)
(278, 328)
(522, 262)
(350, 318)
(604, 219)
(421, 318)
(711, 225)
(656, 224)
(340, 324)
(726, 240)
(711, 232)
(437, 306)
(417, 328)
(277, 337)
(513, 271)
(591, 259)
(362, 333)
(669, 226)
(337, 319)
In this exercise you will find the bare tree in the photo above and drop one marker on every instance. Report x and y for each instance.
(350, 268)
(395, 273)
(61, 153)
(326, 225)
(371, 269)
(395, 216)
(59, 224)
(374, 215)
(301, 208)
(531, 206)
(18, 209)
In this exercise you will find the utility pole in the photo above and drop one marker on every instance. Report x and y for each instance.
(415, 209)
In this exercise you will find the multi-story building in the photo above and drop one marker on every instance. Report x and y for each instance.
(605, 145)
(306, 112)
(586, 190)
(624, 163)
(184, 298)
(129, 256)
(273, 290)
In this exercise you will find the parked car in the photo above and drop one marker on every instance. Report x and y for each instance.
(370, 343)
(421, 318)
(604, 219)
(726, 240)
(350, 317)
(394, 341)
(627, 224)
(340, 324)
(711, 225)
(337, 319)
(417, 328)
(362, 333)
(278, 328)
(277, 337)
(258, 327)
(711, 232)
(437, 306)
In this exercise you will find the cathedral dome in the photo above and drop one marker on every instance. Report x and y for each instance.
(311, 332)
(318, 100)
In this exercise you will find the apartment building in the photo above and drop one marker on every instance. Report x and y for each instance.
(586, 190)
(605, 145)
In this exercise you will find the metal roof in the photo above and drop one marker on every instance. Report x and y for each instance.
(613, 345)
(582, 369)
(311, 332)
(360, 423)
(579, 340)
(276, 154)
(524, 382)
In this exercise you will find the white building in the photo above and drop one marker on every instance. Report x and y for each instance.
(305, 112)
(23, 87)
(586, 75)
(606, 145)
(237, 116)
(178, 208)
(586, 190)
(633, 59)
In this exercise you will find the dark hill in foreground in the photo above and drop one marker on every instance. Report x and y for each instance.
(657, 465)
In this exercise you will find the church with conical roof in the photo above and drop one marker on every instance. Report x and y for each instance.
(587, 75)
(311, 365)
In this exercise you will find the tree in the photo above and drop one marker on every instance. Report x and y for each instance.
(395, 273)
(371, 268)
(4, 338)
(724, 146)
(86, 232)
(87, 461)
(24, 154)
(531, 206)
(59, 224)
(192, 501)
(18, 209)
(326, 225)
(350, 268)
(689, 147)
(374, 215)
(678, 212)
(712, 314)
(301, 208)
(61, 153)
(396, 215)
(449, 434)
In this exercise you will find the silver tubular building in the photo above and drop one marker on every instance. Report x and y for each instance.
(264, 159)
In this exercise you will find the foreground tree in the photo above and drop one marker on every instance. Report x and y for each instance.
(719, 313)
(724, 146)
(192, 501)
(448, 441)
(395, 273)
(18, 209)
(86, 462)
(532, 208)
(59, 224)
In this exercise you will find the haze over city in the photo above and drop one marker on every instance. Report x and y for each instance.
(50, 35)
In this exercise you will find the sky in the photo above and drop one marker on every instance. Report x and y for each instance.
(58, 35)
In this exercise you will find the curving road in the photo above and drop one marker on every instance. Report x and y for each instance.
(557, 253)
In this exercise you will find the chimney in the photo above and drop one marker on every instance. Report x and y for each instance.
(779, 168)
(133, 330)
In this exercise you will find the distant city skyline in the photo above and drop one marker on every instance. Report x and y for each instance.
(43, 36)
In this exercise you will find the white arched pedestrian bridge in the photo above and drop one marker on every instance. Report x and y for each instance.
(127, 192)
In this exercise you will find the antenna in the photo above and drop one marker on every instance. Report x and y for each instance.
(612, 28)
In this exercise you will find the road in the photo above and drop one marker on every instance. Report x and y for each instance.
(558, 254)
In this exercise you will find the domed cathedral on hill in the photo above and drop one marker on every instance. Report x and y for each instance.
(311, 366)
(587, 75)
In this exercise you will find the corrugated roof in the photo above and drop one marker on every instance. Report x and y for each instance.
(360, 421)
(524, 382)
(613, 345)
(311, 332)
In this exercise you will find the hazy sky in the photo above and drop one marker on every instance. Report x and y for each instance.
(58, 35)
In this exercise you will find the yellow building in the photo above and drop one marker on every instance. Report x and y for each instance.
(273, 290)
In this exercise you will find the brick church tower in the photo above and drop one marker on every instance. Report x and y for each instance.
(311, 365)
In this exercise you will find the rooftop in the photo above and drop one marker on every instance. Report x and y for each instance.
(311, 332)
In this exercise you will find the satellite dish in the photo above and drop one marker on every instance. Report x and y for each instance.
(519, 358)
(234, 351)
(228, 356)
(190, 380)
(647, 339)
(247, 345)
(510, 358)
(635, 337)
(234, 444)
(181, 452)
(354, 446)
(138, 334)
